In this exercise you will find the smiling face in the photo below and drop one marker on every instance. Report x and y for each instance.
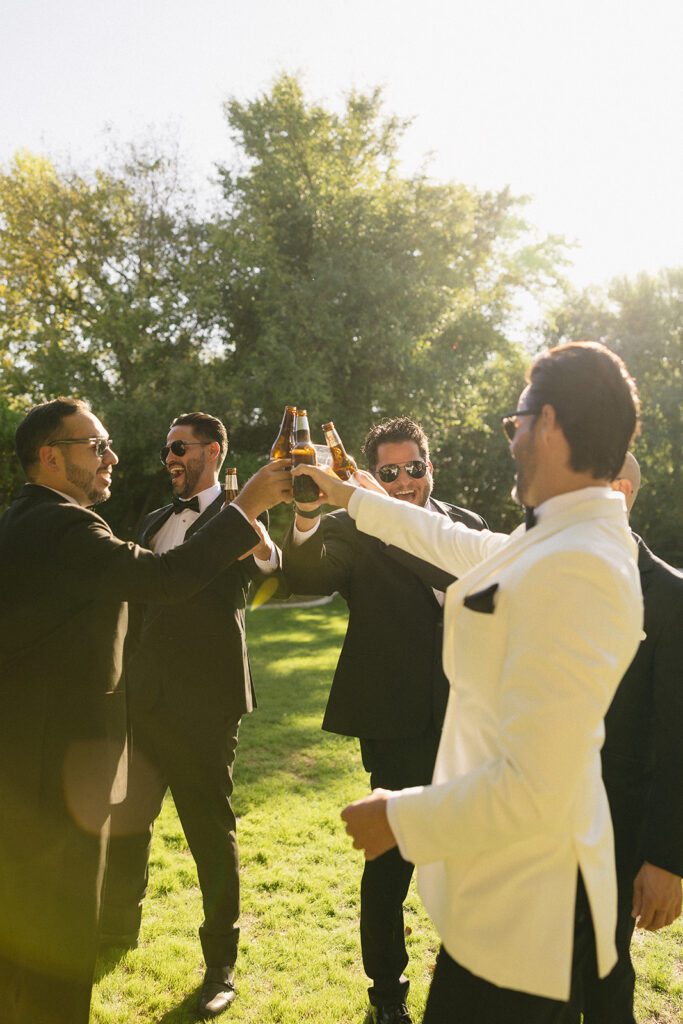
(85, 475)
(405, 487)
(197, 469)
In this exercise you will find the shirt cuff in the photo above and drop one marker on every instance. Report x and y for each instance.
(269, 565)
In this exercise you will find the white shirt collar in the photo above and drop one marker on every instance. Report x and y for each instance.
(560, 502)
(206, 497)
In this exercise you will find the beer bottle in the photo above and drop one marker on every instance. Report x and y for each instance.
(231, 487)
(342, 463)
(282, 446)
(303, 452)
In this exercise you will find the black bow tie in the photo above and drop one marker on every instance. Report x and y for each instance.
(529, 516)
(182, 506)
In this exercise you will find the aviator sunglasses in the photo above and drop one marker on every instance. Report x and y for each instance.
(100, 444)
(179, 448)
(510, 423)
(415, 469)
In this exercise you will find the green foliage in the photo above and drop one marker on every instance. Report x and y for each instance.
(11, 476)
(642, 320)
(97, 283)
(358, 293)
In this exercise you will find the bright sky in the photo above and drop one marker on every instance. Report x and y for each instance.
(576, 102)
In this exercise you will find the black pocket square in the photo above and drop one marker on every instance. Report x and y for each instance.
(482, 601)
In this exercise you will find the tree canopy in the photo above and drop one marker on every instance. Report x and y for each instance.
(642, 320)
(317, 274)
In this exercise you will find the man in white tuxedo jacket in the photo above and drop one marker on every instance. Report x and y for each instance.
(513, 839)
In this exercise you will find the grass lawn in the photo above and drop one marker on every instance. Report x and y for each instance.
(299, 957)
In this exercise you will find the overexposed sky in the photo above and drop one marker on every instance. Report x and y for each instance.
(576, 102)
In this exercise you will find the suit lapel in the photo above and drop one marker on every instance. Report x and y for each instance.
(433, 577)
(153, 523)
(208, 513)
(521, 539)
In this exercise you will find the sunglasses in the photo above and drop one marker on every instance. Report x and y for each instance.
(415, 469)
(510, 422)
(100, 444)
(179, 448)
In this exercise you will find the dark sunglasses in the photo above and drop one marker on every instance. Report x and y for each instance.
(100, 444)
(416, 469)
(179, 448)
(510, 423)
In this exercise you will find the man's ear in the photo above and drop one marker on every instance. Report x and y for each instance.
(624, 486)
(48, 458)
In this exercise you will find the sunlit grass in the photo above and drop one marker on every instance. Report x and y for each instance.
(299, 957)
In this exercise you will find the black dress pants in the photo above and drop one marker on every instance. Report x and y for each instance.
(394, 763)
(194, 759)
(457, 996)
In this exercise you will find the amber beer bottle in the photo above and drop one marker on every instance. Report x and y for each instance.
(231, 487)
(303, 452)
(282, 446)
(342, 463)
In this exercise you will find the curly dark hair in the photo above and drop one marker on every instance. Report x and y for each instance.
(400, 428)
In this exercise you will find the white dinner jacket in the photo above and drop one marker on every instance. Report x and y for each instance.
(517, 803)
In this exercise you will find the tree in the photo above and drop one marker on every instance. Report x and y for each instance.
(641, 320)
(100, 296)
(351, 290)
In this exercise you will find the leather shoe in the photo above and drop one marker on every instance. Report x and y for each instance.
(390, 1013)
(218, 991)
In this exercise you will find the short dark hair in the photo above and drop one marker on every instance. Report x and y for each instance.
(206, 428)
(595, 400)
(40, 425)
(401, 428)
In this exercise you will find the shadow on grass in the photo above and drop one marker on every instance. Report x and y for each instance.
(293, 653)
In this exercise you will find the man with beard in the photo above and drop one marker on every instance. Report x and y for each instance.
(513, 839)
(189, 684)
(63, 618)
(389, 688)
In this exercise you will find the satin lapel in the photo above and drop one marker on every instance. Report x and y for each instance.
(521, 539)
(155, 522)
(208, 513)
(430, 575)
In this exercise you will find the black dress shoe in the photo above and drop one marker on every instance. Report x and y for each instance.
(390, 1013)
(218, 991)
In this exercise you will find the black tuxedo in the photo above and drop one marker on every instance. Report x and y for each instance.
(189, 683)
(63, 617)
(389, 690)
(642, 764)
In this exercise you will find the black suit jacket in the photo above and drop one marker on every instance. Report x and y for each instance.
(643, 752)
(63, 615)
(389, 680)
(193, 655)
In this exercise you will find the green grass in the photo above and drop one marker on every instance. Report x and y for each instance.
(299, 957)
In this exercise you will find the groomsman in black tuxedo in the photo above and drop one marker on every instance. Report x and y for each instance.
(63, 619)
(642, 766)
(189, 684)
(389, 688)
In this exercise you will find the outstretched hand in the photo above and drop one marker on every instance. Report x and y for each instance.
(267, 487)
(334, 491)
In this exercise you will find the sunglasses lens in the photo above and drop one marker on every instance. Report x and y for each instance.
(388, 474)
(416, 469)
